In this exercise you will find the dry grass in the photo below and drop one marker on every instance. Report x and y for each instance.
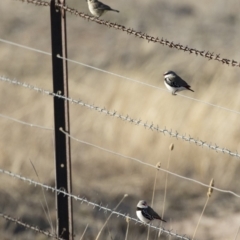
(209, 193)
(103, 177)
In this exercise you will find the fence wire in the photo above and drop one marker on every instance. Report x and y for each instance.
(26, 225)
(127, 118)
(206, 54)
(150, 165)
(121, 155)
(84, 200)
(118, 75)
(26, 123)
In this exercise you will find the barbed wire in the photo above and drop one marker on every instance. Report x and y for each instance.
(122, 155)
(148, 85)
(100, 207)
(206, 54)
(127, 118)
(150, 165)
(26, 225)
(118, 75)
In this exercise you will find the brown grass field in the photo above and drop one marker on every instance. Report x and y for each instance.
(104, 177)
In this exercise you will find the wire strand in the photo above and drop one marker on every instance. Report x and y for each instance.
(25, 123)
(205, 54)
(94, 205)
(149, 85)
(26, 225)
(25, 47)
(126, 118)
(148, 164)
(120, 76)
(118, 154)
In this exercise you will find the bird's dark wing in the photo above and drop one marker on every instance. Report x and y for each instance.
(171, 82)
(186, 85)
(154, 214)
(176, 82)
(183, 83)
(146, 214)
(103, 6)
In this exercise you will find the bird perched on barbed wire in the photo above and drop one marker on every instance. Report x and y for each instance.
(145, 213)
(174, 83)
(98, 8)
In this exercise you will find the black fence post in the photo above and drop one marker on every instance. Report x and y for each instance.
(61, 120)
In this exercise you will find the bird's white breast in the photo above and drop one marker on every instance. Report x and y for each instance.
(94, 11)
(174, 89)
(169, 87)
(141, 217)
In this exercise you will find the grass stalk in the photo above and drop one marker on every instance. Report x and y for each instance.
(153, 194)
(125, 195)
(47, 213)
(127, 220)
(209, 193)
(171, 147)
(84, 232)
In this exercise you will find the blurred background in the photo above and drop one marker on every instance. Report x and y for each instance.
(98, 175)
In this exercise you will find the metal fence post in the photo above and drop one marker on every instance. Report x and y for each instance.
(61, 120)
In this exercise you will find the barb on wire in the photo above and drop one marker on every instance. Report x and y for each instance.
(26, 225)
(150, 165)
(206, 54)
(121, 155)
(120, 76)
(127, 118)
(95, 205)
(37, 2)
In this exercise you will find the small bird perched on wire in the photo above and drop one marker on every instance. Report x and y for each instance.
(174, 83)
(98, 8)
(145, 213)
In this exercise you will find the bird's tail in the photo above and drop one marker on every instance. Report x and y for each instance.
(188, 88)
(163, 220)
(159, 218)
(114, 10)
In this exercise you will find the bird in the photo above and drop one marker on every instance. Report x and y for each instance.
(174, 83)
(145, 213)
(98, 8)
